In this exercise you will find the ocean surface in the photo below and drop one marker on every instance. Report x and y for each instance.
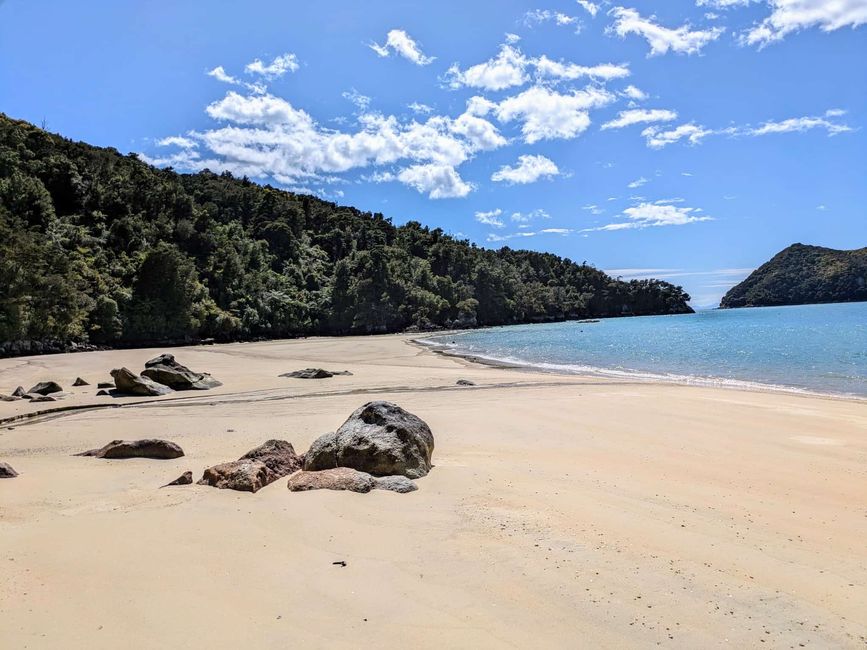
(811, 348)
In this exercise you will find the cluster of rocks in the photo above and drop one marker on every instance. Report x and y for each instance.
(379, 447)
(162, 375)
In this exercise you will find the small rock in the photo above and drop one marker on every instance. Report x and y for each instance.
(184, 479)
(6, 471)
(149, 448)
(465, 382)
(101, 393)
(129, 382)
(19, 392)
(9, 398)
(46, 388)
(340, 478)
(80, 382)
(105, 384)
(309, 373)
(399, 484)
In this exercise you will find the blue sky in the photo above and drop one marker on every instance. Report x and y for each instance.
(685, 139)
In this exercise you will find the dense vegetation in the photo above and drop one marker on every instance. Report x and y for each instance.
(800, 275)
(100, 247)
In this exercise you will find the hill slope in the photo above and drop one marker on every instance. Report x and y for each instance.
(99, 247)
(800, 275)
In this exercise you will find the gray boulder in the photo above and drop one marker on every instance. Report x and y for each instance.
(254, 470)
(340, 478)
(379, 438)
(314, 373)
(6, 471)
(399, 484)
(19, 392)
(165, 370)
(46, 388)
(130, 383)
(149, 448)
(184, 479)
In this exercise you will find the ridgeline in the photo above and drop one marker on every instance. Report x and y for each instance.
(802, 275)
(100, 248)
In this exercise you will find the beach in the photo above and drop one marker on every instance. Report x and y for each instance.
(563, 511)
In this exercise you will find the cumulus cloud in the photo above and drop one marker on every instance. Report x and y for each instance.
(537, 16)
(657, 138)
(527, 217)
(788, 16)
(590, 7)
(511, 68)
(634, 93)
(402, 44)
(418, 107)
(640, 116)
(177, 141)
(682, 40)
(528, 170)
(490, 218)
(439, 181)
(219, 73)
(277, 68)
(547, 114)
(361, 101)
(652, 215)
(637, 183)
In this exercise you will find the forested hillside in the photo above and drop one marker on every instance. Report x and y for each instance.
(100, 247)
(802, 274)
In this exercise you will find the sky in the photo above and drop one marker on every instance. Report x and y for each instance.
(688, 140)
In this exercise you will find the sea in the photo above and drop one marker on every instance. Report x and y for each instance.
(805, 348)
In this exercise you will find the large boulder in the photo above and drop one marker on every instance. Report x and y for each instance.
(379, 438)
(46, 388)
(165, 370)
(6, 471)
(339, 478)
(257, 468)
(128, 382)
(150, 448)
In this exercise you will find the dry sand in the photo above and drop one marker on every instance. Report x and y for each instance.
(563, 512)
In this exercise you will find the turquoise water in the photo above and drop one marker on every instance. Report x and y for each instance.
(814, 348)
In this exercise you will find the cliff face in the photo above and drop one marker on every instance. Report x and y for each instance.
(800, 275)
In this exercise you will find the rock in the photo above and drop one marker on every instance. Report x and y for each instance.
(36, 397)
(105, 384)
(149, 448)
(165, 370)
(9, 398)
(257, 468)
(19, 392)
(242, 475)
(6, 471)
(465, 382)
(396, 484)
(46, 388)
(184, 479)
(314, 373)
(101, 393)
(80, 382)
(129, 382)
(339, 478)
(379, 438)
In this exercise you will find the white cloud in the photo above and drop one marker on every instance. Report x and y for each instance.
(800, 124)
(538, 16)
(439, 181)
(220, 74)
(590, 7)
(547, 114)
(490, 218)
(511, 39)
(724, 4)
(821, 207)
(511, 68)
(640, 116)
(683, 39)
(528, 170)
(658, 138)
(506, 70)
(496, 238)
(789, 16)
(650, 215)
(361, 101)
(277, 68)
(401, 43)
(634, 93)
(594, 209)
(527, 217)
(418, 107)
(637, 183)
(177, 141)
(556, 231)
